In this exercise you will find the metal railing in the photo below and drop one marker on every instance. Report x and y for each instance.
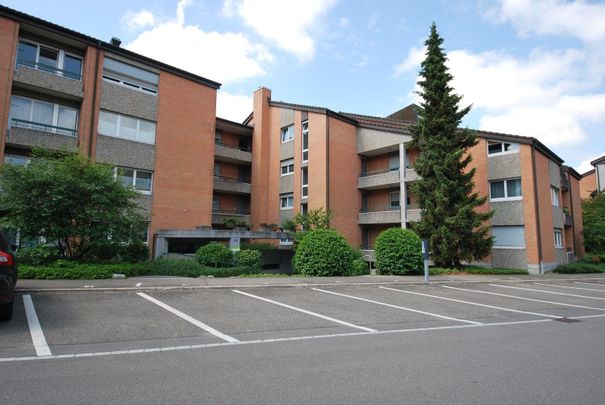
(389, 208)
(15, 122)
(237, 147)
(234, 211)
(49, 68)
(233, 179)
(378, 171)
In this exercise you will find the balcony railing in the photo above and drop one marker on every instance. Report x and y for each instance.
(234, 211)
(375, 172)
(49, 68)
(564, 183)
(380, 209)
(15, 122)
(567, 221)
(236, 147)
(233, 179)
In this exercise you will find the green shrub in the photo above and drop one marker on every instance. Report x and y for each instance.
(215, 254)
(191, 268)
(323, 252)
(398, 251)
(68, 269)
(360, 268)
(38, 255)
(257, 246)
(101, 251)
(250, 258)
(134, 252)
(580, 267)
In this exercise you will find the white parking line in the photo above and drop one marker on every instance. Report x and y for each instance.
(522, 298)
(189, 319)
(471, 303)
(572, 288)
(304, 311)
(35, 329)
(398, 307)
(595, 284)
(548, 292)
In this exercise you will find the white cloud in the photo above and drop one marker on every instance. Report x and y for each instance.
(289, 24)
(585, 165)
(139, 20)
(233, 107)
(579, 19)
(224, 57)
(412, 61)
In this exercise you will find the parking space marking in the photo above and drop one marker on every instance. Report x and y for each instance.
(572, 288)
(398, 307)
(304, 311)
(472, 303)
(35, 329)
(189, 319)
(594, 284)
(523, 298)
(549, 292)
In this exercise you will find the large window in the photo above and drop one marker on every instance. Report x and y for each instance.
(505, 190)
(554, 196)
(558, 238)
(42, 115)
(140, 180)
(496, 147)
(130, 76)
(56, 61)
(305, 182)
(287, 167)
(305, 141)
(508, 237)
(286, 201)
(394, 199)
(123, 126)
(16, 160)
(216, 203)
(394, 161)
(287, 133)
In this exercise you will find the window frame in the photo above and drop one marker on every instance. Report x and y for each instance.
(506, 197)
(286, 241)
(502, 147)
(555, 196)
(289, 197)
(558, 238)
(25, 159)
(391, 194)
(287, 164)
(304, 186)
(287, 133)
(127, 83)
(134, 178)
(305, 135)
(216, 201)
(54, 128)
(60, 69)
(118, 122)
(516, 247)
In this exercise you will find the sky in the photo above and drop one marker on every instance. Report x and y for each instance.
(528, 67)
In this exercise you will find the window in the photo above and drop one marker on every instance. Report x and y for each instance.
(286, 201)
(394, 199)
(140, 180)
(394, 161)
(56, 61)
(218, 137)
(558, 238)
(287, 167)
(494, 147)
(16, 160)
(305, 182)
(505, 190)
(123, 126)
(287, 133)
(286, 241)
(509, 237)
(216, 203)
(143, 232)
(305, 141)
(554, 196)
(217, 169)
(43, 116)
(130, 76)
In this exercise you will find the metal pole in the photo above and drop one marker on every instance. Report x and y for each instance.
(425, 258)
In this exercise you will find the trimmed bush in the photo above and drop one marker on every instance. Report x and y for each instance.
(580, 267)
(250, 258)
(71, 270)
(134, 252)
(38, 255)
(323, 252)
(190, 268)
(257, 246)
(360, 268)
(215, 255)
(398, 251)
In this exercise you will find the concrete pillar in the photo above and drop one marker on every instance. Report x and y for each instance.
(402, 190)
(161, 247)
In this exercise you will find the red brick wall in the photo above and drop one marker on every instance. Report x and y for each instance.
(9, 37)
(588, 184)
(87, 128)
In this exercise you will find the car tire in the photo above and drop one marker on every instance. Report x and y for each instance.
(6, 311)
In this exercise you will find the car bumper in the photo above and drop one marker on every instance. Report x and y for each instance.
(7, 287)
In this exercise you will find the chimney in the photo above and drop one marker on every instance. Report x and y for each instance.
(116, 41)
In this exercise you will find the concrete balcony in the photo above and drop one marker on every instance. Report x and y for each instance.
(26, 133)
(567, 220)
(386, 215)
(232, 185)
(414, 214)
(411, 175)
(232, 154)
(49, 80)
(378, 179)
(219, 216)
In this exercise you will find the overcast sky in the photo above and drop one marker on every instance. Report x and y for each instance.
(528, 67)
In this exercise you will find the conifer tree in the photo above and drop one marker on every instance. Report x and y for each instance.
(456, 230)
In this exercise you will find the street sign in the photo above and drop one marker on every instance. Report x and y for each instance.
(234, 243)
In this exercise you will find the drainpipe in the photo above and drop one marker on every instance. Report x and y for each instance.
(402, 191)
(328, 164)
(537, 207)
(94, 100)
(573, 221)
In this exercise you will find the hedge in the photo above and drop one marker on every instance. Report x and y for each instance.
(323, 252)
(398, 251)
(214, 254)
(250, 258)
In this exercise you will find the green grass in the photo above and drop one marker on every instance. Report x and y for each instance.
(435, 271)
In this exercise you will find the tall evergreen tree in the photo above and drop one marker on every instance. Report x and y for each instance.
(456, 230)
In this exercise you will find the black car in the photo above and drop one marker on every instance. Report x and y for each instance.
(8, 279)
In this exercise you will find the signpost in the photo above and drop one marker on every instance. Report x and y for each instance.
(234, 244)
(425, 258)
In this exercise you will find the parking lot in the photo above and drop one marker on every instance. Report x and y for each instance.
(55, 325)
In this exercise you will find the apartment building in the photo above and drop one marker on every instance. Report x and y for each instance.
(361, 168)
(157, 126)
(593, 180)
